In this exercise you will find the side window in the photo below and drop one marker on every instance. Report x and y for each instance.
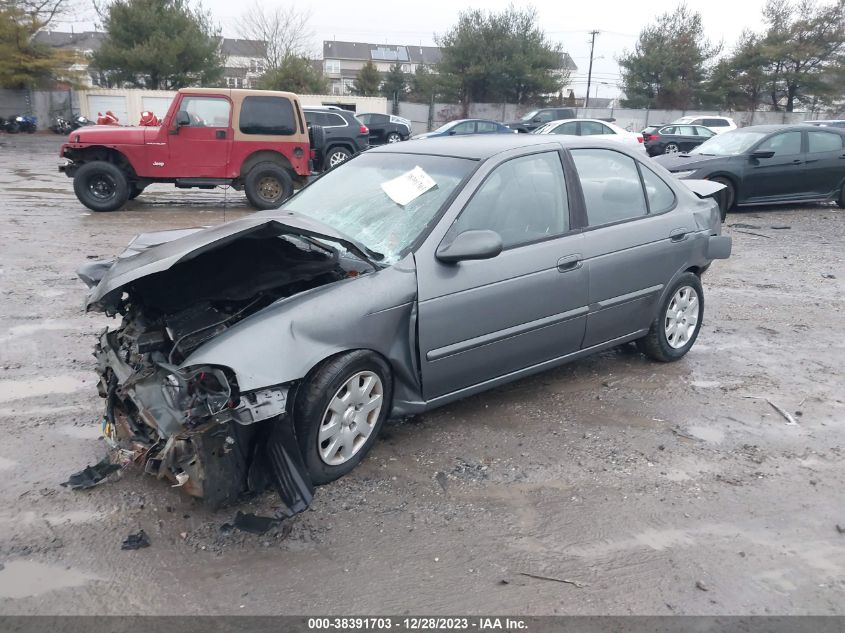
(366, 119)
(570, 128)
(545, 116)
(715, 123)
(824, 142)
(785, 144)
(207, 111)
(670, 129)
(467, 127)
(591, 128)
(611, 185)
(686, 130)
(267, 115)
(333, 119)
(310, 117)
(660, 195)
(485, 127)
(379, 119)
(703, 131)
(697, 122)
(523, 200)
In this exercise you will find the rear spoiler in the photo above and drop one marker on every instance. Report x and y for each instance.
(703, 188)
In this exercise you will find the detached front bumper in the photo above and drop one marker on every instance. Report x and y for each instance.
(213, 448)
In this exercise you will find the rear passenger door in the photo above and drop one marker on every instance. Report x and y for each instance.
(633, 243)
(825, 162)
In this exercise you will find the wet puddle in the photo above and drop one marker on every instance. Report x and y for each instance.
(706, 433)
(19, 389)
(21, 579)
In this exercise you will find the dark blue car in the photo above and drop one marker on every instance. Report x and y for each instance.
(462, 127)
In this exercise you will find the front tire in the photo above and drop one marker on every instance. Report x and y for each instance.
(101, 186)
(678, 321)
(339, 411)
(268, 185)
(727, 197)
(393, 137)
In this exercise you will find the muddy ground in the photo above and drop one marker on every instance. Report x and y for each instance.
(658, 489)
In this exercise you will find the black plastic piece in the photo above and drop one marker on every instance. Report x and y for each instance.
(90, 476)
(287, 470)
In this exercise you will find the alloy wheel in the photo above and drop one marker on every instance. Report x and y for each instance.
(336, 159)
(671, 148)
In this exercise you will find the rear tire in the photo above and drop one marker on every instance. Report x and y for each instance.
(325, 412)
(101, 186)
(335, 157)
(673, 331)
(671, 148)
(393, 137)
(268, 185)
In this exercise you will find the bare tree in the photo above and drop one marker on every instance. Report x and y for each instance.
(284, 29)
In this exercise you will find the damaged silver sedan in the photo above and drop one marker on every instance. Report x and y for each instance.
(268, 351)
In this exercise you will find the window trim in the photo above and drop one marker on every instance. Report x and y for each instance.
(586, 226)
(448, 237)
(189, 96)
(804, 142)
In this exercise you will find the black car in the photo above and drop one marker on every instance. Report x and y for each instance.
(769, 164)
(536, 118)
(671, 139)
(385, 128)
(337, 135)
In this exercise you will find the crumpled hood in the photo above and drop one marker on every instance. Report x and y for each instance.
(153, 253)
(687, 162)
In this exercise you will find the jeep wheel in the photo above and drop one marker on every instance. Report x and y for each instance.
(101, 186)
(335, 157)
(268, 185)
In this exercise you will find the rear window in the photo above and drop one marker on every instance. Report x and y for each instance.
(267, 115)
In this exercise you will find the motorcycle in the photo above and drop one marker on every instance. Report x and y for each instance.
(61, 125)
(25, 123)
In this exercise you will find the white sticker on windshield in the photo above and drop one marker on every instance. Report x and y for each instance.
(409, 186)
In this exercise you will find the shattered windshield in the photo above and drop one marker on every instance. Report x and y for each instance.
(384, 201)
(728, 144)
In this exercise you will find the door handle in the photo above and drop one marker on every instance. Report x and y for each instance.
(678, 235)
(843, 156)
(797, 161)
(570, 262)
(220, 134)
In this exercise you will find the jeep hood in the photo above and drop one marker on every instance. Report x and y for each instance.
(110, 135)
(153, 253)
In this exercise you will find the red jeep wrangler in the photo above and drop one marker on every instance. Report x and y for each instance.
(251, 140)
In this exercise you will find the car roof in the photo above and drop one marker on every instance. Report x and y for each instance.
(483, 146)
(771, 127)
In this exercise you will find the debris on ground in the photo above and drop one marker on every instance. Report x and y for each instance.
(443, 480)
(700, 585)
(780, 227)
(90, 476)
(574, 583)
(680, 433)
(840, 529)
(136, 541)
(790, 420)
(253, 523)
(828, 276)
(743, 225)
(768, 237)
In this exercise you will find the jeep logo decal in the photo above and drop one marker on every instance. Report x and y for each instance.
(158, 163)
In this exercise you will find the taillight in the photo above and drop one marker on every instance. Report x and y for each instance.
(653, 137)
(364, 129)
(639, 139)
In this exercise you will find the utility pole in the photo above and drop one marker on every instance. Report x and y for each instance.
(590, 71)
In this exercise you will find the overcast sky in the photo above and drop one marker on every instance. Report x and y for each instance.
(619, 23)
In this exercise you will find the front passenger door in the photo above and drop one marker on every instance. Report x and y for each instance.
(780, 177)
(480, 320)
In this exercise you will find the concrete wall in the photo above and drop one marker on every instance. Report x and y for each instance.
(635, 120)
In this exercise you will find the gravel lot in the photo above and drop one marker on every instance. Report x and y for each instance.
(656, 489)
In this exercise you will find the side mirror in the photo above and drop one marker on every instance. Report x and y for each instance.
(762, 153)
(452, 132)
(536, 119)
(182, 118)
(476, 244)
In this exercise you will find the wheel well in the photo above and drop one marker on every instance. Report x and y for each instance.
(696, 270)
(316, 367)
(730, 178)
(266, 156)
(107, 154)
(342, 144)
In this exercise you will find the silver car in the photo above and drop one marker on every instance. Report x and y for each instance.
(270, 350)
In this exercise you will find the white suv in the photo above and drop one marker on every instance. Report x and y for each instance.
(718, 124)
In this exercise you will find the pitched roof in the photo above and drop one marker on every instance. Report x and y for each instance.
(243, 48)
(83, 41)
